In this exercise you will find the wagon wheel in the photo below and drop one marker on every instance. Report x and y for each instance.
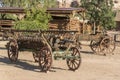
(95, 46)
(107, 45)
(12, 50)
(45, 59)
(75, 60)
(35, 56)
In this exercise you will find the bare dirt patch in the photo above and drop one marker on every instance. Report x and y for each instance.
(93, 67)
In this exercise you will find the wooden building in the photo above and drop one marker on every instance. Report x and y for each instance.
(66, 18)
(5, 22)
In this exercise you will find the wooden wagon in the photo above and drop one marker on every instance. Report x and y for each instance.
(45, 46)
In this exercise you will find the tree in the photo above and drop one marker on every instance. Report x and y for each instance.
(100, 12)
(28, 3)
(35, 19)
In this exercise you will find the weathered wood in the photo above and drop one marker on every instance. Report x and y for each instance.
(14, 10)
(64, 11)
(6, 23)
(65, 18)
(38, 31)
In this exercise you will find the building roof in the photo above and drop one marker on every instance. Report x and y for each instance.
(64, 11)
(11, 10)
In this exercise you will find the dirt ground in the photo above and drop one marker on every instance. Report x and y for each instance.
(93, 67)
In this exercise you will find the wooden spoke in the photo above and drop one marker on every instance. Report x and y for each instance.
(94, 45)
(35, 56)
(45, 59)
(74, 63)
(107, 45)
(12, 51)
